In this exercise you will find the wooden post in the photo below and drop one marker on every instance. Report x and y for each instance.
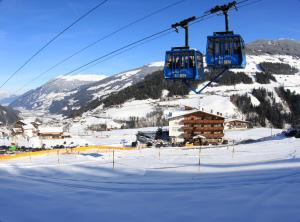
(159, 153)
(199, 154)
(113, 158)
(271, 131)
(232, 149)
(58, 156)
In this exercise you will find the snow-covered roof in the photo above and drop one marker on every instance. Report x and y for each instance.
(45, 130)
(28, 126)
(239, 120)
(21, 121)
(36, 122)
(17, 130)
(187, 112)
(28, 121)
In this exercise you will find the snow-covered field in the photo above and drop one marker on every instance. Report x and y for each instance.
(253, 182)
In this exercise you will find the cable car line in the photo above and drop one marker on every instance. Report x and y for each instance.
(129, 45)
(193, 21)
(124, 47)
(132, 45)
(52, 40)
(171, 31)
(224, 50)
(102, 39)
(119, 49)
(125, 50)
(206, 85)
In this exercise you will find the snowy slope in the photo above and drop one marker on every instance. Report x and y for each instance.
(254, 182)
(215, 98)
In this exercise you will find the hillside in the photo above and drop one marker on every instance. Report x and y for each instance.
(8, 115)
(264, 75)
(274, 47)
(42, 97)
(63, 95)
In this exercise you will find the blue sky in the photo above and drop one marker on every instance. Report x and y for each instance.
(25, 26)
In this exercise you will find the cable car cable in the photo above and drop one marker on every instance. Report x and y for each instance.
(102, 39)
(129, 45)
(124, 51)
(198, 19)
(117, 50)
(171, 31)
(52, 40)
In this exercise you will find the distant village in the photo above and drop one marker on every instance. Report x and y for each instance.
(27, 131)
(192, 126)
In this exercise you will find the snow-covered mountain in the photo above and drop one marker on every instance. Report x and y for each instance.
(91, 99)
(64, 94)
(274, 47)
(5, 100)
(42, 97)
(225, 96)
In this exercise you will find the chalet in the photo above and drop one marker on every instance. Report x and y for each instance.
(26, 128)
(20, 124)
(4, 132)
(187, 125)
(51, 133)
(36, 124)
(237, 124)
(16, 131)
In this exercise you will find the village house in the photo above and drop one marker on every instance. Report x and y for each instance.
(26, 128)
(196, 124)
(4, 132)
(51, 133)
(237, 124)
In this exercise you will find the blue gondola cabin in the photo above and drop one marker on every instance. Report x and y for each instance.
(225, 50)
(183, 63)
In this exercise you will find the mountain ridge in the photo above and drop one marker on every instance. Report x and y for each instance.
(76, 99)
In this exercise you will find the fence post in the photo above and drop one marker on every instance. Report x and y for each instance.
(159, 153)
(199, 154)
(232, 149)
(58, 156)
(113, 158)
